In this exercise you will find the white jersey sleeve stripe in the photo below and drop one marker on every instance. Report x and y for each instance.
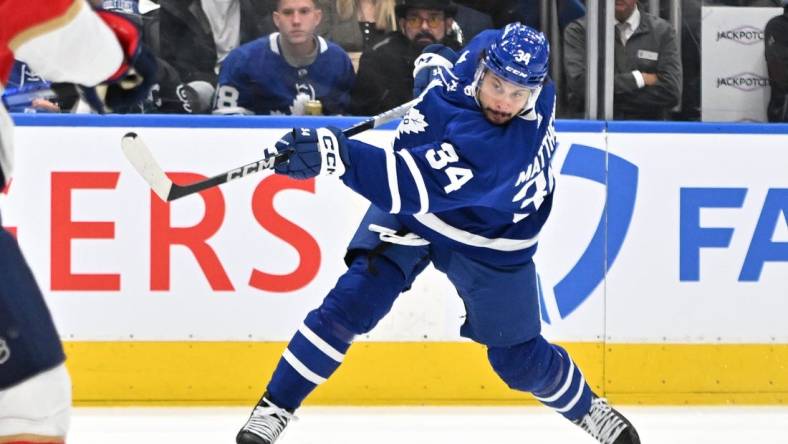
(424, 198)
(391, 173)
(501, 244)
(321, 345)
(302, 370)
(77, 47)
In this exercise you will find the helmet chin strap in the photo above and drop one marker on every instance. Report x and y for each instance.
(531, 102)
(477, 80)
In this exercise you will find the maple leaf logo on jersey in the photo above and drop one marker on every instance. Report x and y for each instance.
(412, 123)
(298, 108)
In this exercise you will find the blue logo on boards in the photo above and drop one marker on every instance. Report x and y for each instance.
(620, 179)
(762, 248)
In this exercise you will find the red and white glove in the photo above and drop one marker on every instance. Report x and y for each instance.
(132, 81)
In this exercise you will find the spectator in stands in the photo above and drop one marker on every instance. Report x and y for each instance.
(169, 94)
(26, 92)
(776, 43)
(690, 58)
(356, 25)
(196, 35)
(753, 3)
(527, 12)
(500, 12)
(647, 71)
(469, 22)
(279, 73)
(385, 72)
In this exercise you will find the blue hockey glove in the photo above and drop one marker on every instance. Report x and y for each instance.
(434, 61)
(313, 151)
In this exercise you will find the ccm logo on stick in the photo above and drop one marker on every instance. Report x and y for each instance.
(251, 168)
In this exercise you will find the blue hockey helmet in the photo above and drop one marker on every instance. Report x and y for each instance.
(520, 55)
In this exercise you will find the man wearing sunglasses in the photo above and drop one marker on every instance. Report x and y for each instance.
(385, 78)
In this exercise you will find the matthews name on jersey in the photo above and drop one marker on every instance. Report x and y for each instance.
(256, 77)
(460, 181)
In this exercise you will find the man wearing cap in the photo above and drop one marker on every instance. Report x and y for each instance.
(776, 51)
(385, 73)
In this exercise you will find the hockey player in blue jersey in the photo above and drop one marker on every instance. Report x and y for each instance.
(279, 73)
(467, 187)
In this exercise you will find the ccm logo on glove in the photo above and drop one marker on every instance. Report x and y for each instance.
(330, 153)
(329, 149)
(312, 152)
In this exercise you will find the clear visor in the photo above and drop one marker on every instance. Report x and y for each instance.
(506, 84)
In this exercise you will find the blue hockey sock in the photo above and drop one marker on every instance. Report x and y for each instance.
(547, 371)
(570, 395)
(354, 306)
(313, 354)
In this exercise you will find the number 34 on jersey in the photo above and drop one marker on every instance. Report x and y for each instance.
(440, 159)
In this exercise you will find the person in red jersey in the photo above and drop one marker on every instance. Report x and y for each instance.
(63, 41)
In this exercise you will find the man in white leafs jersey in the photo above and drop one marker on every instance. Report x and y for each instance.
(279, 73)
(467, 187)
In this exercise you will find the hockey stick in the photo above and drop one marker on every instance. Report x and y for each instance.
(141, 158)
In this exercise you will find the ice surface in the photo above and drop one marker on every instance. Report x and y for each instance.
(427, 425)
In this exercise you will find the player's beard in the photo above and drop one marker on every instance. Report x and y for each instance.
(497, 117)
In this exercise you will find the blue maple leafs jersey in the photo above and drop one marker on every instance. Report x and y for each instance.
(256, 77)
(23, 87)
(458, 180)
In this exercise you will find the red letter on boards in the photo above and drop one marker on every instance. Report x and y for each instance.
(64, 230)
(307, 247)
(195, 238)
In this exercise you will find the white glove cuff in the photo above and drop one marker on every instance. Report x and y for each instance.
(331, 163)
(431, 60)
